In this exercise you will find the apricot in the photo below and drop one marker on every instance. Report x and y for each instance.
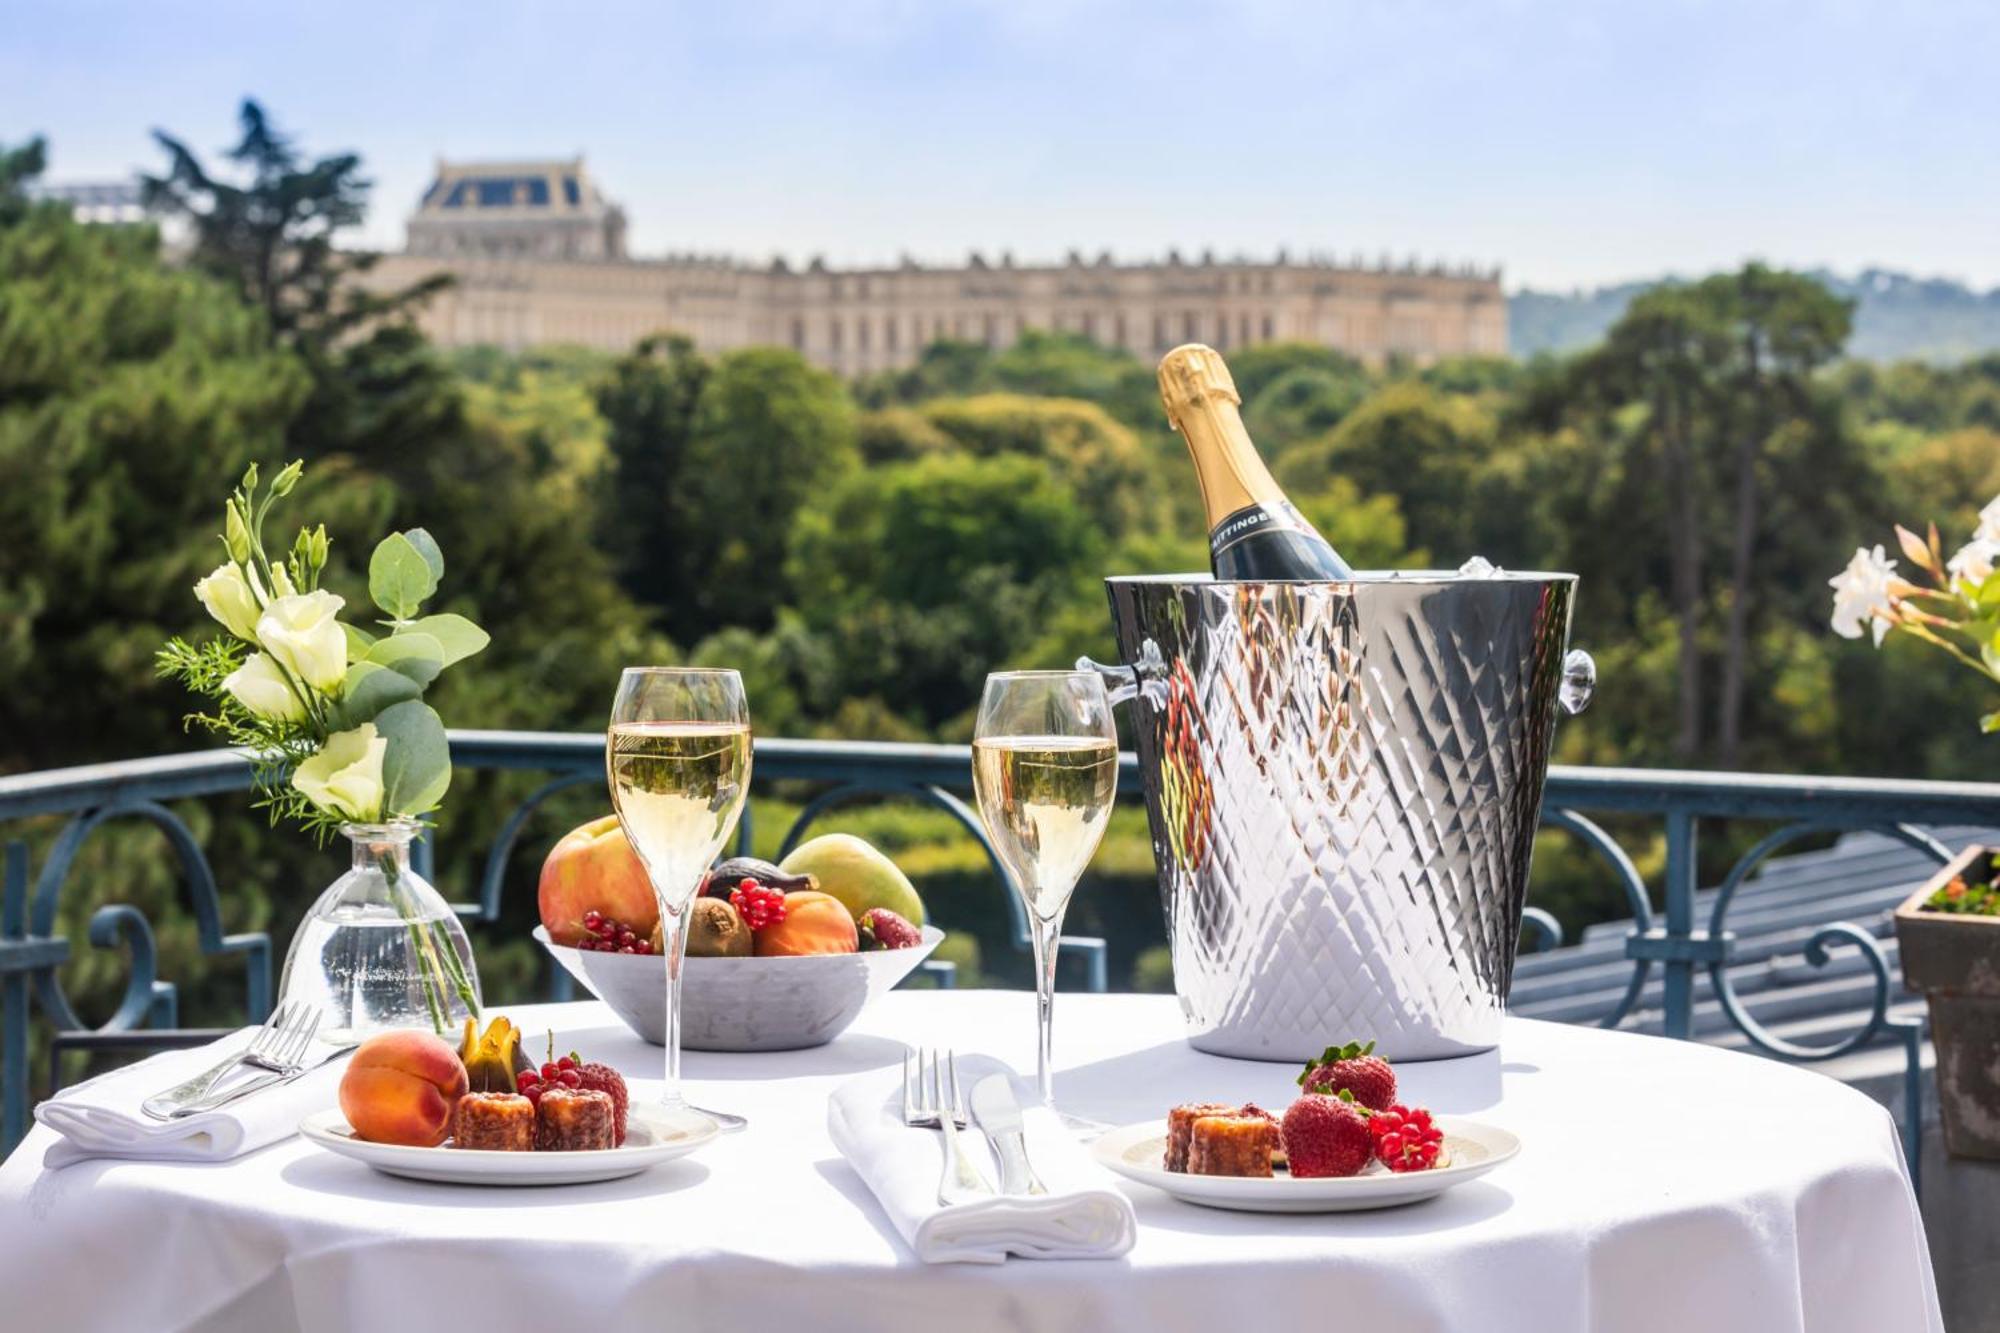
(814, 923)
(593, 867)
(401, 1087)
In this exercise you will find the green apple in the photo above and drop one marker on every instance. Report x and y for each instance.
(854, 872)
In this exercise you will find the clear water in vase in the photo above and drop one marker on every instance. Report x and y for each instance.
(381, 948)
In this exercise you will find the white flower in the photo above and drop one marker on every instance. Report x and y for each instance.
(235, 601)
(301, 632)
(1989, 522)
(260, 687)
(1860, 591)
(1975, 559)
(345, 777)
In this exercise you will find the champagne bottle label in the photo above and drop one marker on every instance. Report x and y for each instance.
(1278, 516)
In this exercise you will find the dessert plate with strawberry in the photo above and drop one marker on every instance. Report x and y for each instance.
(1346, 1144)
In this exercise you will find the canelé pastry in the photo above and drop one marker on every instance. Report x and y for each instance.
(1180, 1125)
(575, 1120)
(494, 1122)
(1231, 1145)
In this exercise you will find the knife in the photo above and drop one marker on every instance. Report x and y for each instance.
(999, 1117)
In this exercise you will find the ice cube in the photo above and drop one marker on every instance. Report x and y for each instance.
(1479, 567)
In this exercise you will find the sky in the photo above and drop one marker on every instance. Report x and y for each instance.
(1570, 142)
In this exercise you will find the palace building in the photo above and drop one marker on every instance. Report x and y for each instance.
(540, 257)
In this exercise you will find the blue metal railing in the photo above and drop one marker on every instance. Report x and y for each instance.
(1673, 939)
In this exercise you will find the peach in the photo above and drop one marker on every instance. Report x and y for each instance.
(401, 1087)
(814, 923)
(593, 868)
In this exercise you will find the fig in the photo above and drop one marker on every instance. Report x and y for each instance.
(715, 930)
(492, 1058)
(731, 873)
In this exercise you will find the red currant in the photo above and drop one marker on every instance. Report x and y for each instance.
(549, 1072)
(571, 1079)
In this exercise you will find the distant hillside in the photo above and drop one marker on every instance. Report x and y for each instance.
(1898, 317)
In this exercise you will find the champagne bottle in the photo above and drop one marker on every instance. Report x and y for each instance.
(1254, 532)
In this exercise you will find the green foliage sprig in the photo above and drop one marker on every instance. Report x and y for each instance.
(331, 714)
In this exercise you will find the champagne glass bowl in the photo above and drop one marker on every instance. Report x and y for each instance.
(743, 1004)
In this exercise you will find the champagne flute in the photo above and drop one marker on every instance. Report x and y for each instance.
(677, 753)
(1045, 766)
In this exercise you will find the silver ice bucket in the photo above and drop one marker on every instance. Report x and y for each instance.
(1343, 781)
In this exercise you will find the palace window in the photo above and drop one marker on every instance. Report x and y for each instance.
(1160, 332)
(1089, 325)
(833, 334)
(1243, 330)
(1118, 328)
(861, 333)
(1269, 328)
(889, 328)
(798, 335)
(989, 329)
(1190, 327)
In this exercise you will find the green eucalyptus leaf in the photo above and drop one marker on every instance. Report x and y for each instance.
(416, 768)
(359, 641)
(427, 547)
(418, 656)
(458, 637)
(1991, 722)
(367, 690)
(1988, 596)
(400, 576)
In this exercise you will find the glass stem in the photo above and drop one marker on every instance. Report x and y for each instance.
(1046, 937)
(673, 939)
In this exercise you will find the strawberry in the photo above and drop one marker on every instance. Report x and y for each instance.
(1352, 1067)
(1327, 1136)
(596, 1076)
(883, 929)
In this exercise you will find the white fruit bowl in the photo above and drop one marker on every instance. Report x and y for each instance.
(743, 1004)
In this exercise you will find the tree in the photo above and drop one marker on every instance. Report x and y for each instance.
(273, 236)
(127, 391)
(1095, 457)
(924, 576)
(1408, 441)
(1783, 328)
(771, 434)
(18, 167)
(648, 405)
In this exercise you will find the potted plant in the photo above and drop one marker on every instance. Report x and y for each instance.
(1948, 930)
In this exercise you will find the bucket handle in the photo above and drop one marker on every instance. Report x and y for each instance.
(1121, 682)
(1579, 681)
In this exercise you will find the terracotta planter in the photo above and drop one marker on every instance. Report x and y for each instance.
(1955, 961)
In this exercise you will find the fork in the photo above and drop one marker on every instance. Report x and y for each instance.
(283, 1065)
(161, 1105)
(279, 1048)
(932, 1100)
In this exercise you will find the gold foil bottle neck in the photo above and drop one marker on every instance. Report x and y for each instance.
(1193, 375)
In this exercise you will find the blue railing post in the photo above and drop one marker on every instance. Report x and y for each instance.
(13, 999)
(1677, 999)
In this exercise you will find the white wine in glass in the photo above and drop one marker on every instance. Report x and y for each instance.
(677, 753)
(1045, 767)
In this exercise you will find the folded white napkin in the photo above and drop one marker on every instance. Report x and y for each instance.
(1081, 1217)
(101, 1117)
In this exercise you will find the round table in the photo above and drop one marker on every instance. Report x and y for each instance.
(1662, 1186)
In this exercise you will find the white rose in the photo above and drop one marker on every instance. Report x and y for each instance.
(301, 632)
(1989, 522)
(1860, 591)
(1975, 559)
(260, 687)
(345, 777)
(227, 595)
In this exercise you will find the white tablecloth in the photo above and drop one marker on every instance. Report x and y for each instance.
(1663, 1186)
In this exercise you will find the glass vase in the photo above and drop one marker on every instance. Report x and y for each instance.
(381, 948)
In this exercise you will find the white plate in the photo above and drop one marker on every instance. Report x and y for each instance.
(1138, 1152)
(652, 1136)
